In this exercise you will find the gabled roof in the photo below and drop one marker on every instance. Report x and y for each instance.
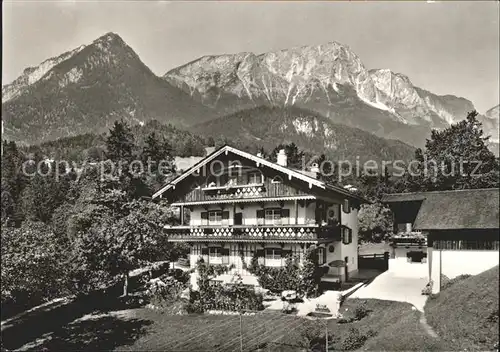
(285, 170)
(403, 197)
(453, 210)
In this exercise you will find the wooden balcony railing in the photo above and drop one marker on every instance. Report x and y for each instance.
(253, 232)
(267, 189)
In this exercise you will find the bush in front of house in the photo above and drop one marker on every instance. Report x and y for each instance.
(303, 278)
(212, 295)
(234, 297)
(164, 291)
(361, 311)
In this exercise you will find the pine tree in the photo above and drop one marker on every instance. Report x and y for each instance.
(120, 144)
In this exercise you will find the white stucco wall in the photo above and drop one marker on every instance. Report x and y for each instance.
(250, 212)
(351, 250)
(400, 266)
(453, 263)
(235, 260)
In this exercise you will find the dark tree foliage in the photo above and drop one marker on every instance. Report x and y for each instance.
(295, 156)
(120, 143)
(12, 181)
(454, 158)
(89, 224)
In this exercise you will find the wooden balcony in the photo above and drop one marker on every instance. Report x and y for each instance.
(261, 190)
(254, 233)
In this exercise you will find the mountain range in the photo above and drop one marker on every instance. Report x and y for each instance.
(86, 89)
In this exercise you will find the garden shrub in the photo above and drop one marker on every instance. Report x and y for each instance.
(345, 320)
(360, 311)
(164, 291)
(355, 339)
(304, 279)
(312, 336)
(212, 295)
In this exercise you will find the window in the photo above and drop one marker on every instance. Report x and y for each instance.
(254, 178)
(277, 179)
(273, 253)
(215, 252)
(273, 216)
(235, 165)
(232, 180)
(215, 217)
(346, 235)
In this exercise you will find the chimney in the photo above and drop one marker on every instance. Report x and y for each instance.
(315, 170)
(282, 159)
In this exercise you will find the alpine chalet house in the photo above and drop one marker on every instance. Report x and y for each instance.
(241, 205)
(455, 232)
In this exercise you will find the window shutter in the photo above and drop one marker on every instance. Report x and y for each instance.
(204, 217)
(225, 255)
(260, 217)
(324, 255)
(241, 178)
(225, 215)
(285, 213)
(350, 236)
(223, 180)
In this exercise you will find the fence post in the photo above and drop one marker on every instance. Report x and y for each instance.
(326, 335)
(241, 334)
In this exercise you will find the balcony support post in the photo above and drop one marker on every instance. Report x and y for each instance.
(182, 214)
(296, 209)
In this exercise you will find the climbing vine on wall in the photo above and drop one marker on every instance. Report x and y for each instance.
(212, 295)
(302, 277)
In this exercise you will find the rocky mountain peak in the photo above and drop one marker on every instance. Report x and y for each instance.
(493, 113)
(87, 89)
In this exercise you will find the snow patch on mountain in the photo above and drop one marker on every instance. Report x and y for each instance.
(303, 126)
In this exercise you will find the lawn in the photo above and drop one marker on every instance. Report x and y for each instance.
(79, 325)
(396, 325)
(267, 331)
(465, 314)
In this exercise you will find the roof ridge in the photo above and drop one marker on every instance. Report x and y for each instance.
(445, 191)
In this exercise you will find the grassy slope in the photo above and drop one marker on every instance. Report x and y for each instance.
(396, 324)
(459, 313)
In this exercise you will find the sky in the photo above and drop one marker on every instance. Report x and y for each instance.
(444, 47)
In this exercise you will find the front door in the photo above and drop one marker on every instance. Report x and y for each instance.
(238, 219)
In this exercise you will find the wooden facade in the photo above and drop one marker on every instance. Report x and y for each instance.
(241, 191)
(237, 200)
